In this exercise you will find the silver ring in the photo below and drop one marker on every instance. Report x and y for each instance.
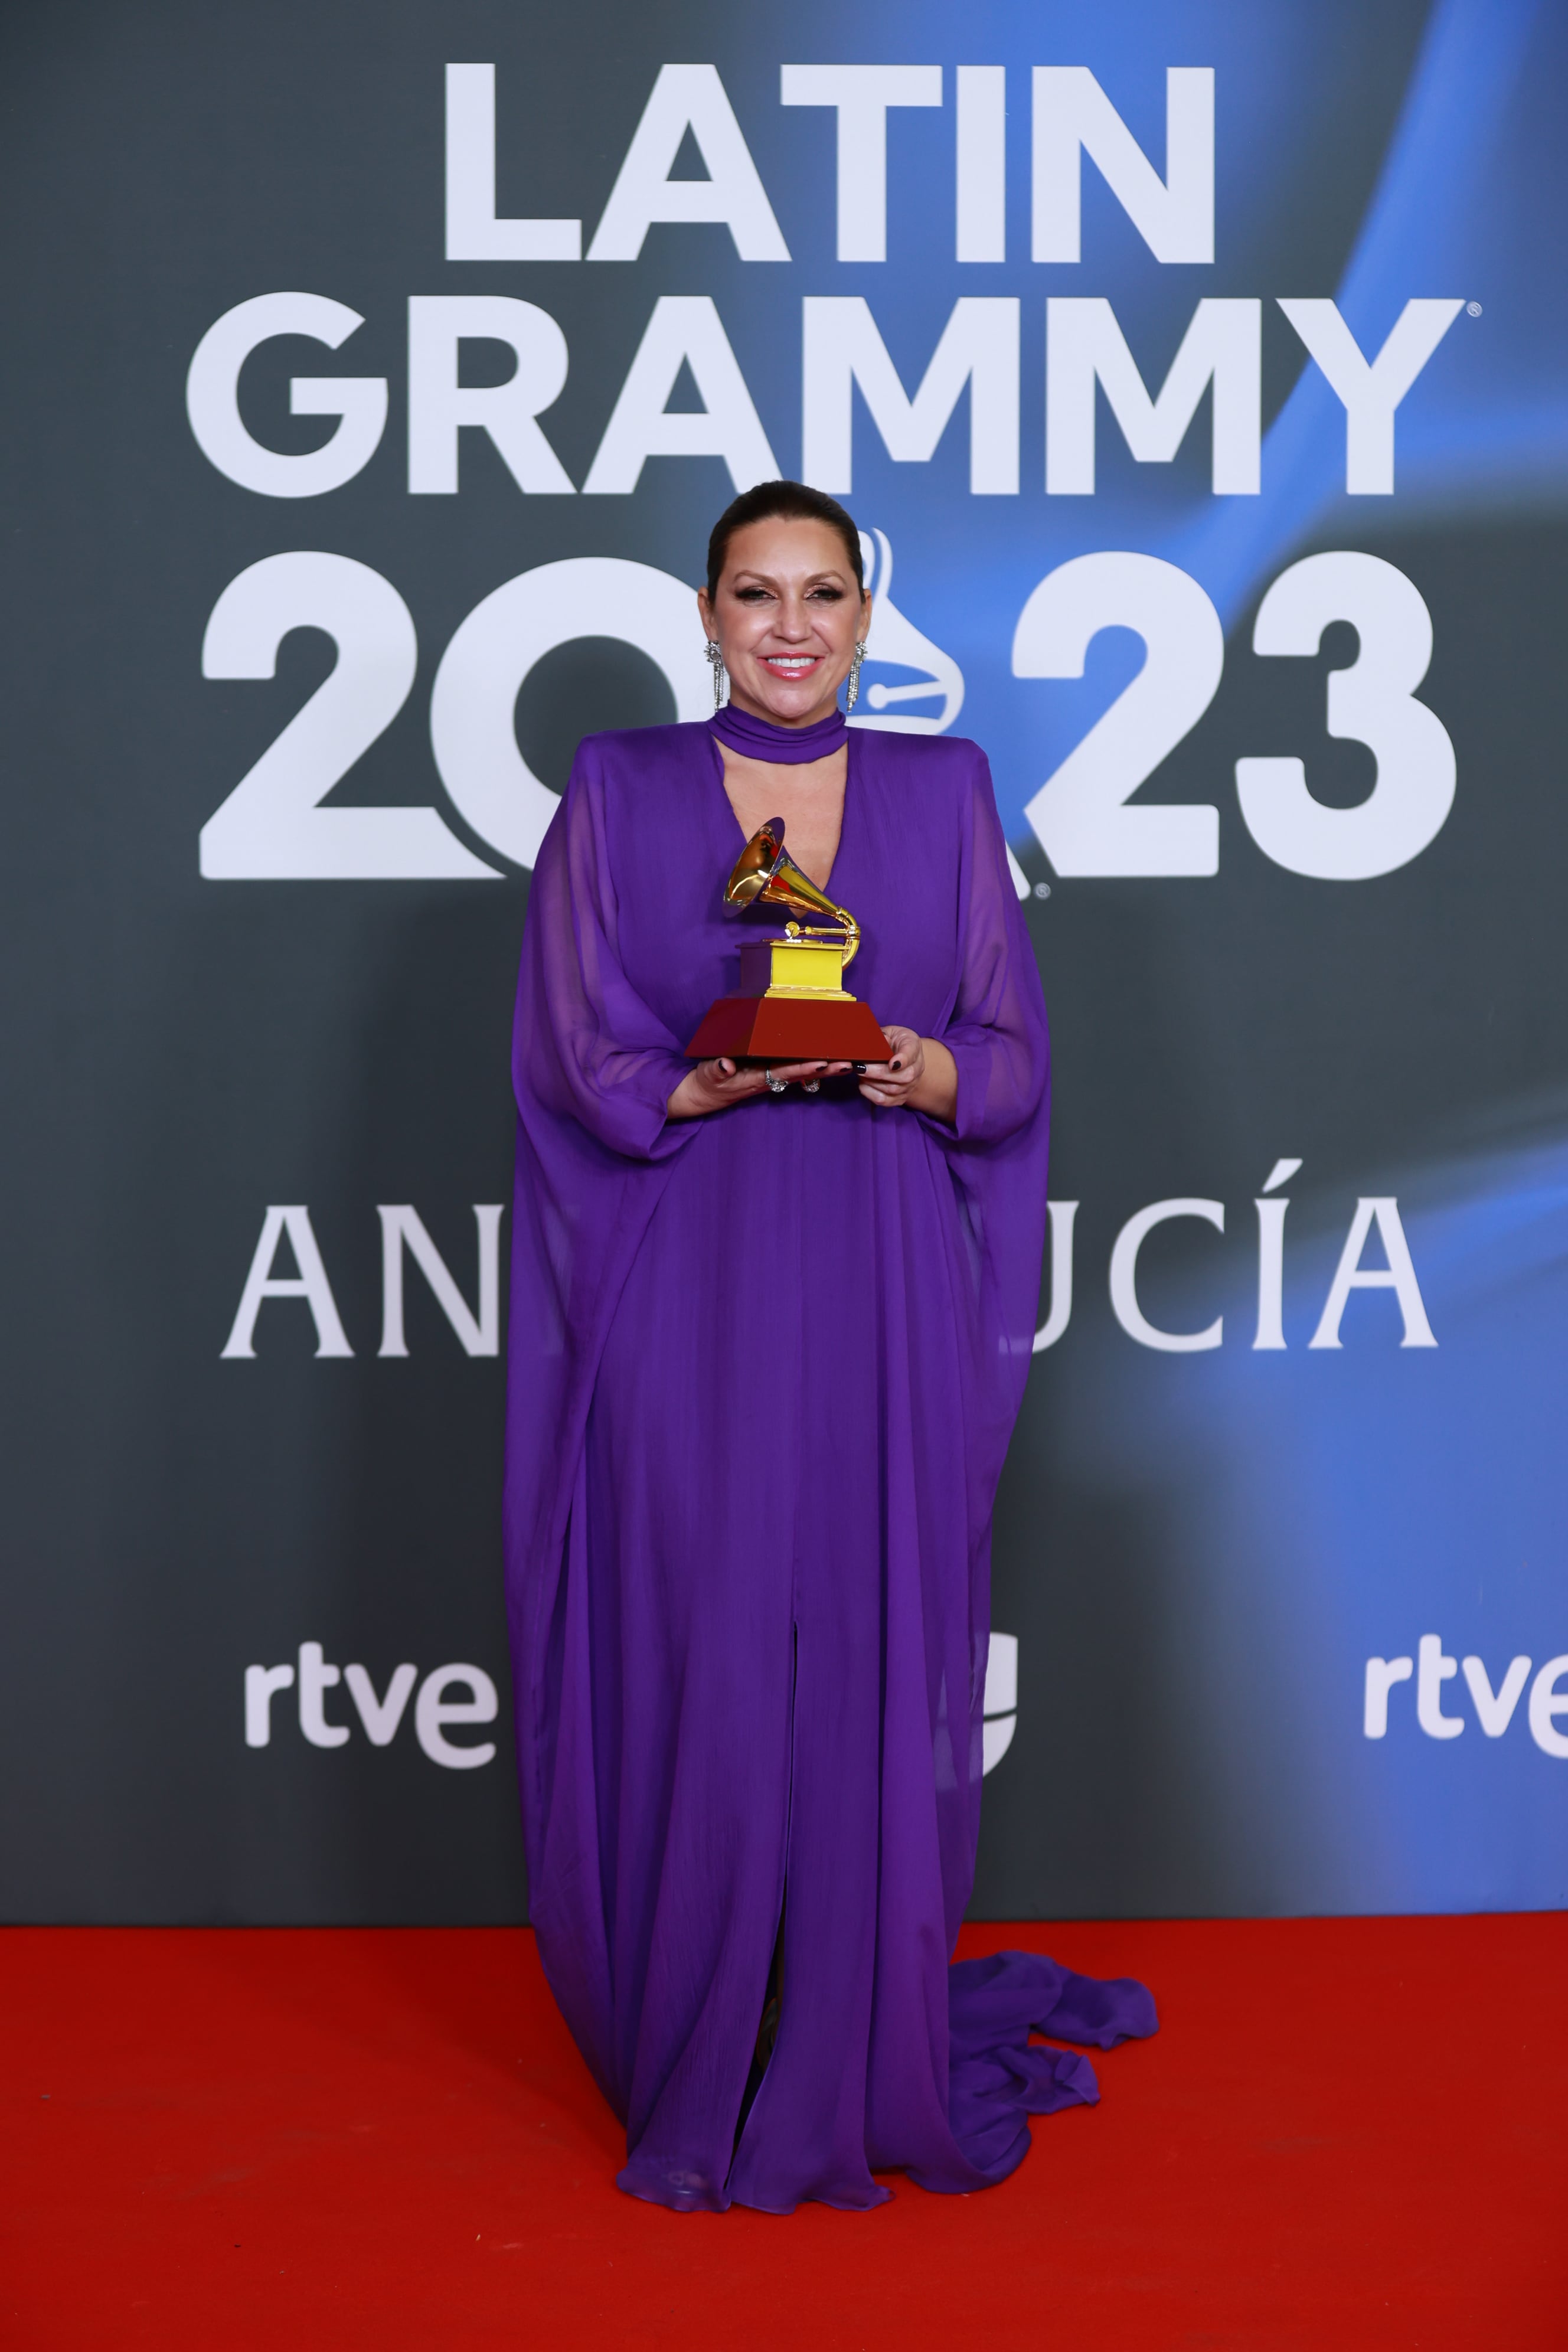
(775, 1085)
(811, 1086)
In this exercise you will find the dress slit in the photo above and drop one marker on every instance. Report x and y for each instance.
(774, 1988)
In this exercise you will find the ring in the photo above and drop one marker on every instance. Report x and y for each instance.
(775, 1085)
(811, 1086)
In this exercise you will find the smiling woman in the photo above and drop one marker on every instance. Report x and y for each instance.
(786, 615)
(767, 1348)
(786, 603)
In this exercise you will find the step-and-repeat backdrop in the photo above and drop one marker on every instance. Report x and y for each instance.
(1196, 373)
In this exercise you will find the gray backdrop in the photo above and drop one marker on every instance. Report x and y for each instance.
(1191, 1616)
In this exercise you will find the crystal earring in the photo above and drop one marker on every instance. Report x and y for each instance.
(854, 674)
(720, 683)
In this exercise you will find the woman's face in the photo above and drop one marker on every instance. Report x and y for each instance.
(787, 617)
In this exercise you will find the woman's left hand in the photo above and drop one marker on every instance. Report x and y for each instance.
(918, 1075)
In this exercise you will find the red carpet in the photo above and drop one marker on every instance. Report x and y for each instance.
(1349, 2132)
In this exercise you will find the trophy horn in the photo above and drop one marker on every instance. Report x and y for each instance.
(766, 875)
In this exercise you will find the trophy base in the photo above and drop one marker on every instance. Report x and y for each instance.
(789, 1029)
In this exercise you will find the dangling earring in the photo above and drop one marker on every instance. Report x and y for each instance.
(854, 674)
(720, 683)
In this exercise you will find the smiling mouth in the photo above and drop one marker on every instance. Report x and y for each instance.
(791, 665)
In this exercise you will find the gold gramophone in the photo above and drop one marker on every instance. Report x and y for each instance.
(793, 1005)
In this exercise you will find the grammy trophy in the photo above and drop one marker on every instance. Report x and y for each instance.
(793, 1005)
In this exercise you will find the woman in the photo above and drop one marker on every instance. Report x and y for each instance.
(769, 1335)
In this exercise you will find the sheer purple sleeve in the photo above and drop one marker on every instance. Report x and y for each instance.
(593, 1068)
(586, 1047)
(996, 1032)
(996, 1149)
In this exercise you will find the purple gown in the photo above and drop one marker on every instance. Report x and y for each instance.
(763, 1369)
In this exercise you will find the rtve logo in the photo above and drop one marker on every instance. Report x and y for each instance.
(1494, 1708)
(379, 1716)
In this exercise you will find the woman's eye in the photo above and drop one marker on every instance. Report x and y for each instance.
(827, 596)
(750, 595)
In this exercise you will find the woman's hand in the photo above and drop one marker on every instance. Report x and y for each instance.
(918, 1075)
(715, 1085)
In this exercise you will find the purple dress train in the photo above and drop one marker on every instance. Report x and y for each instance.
(763, 1369)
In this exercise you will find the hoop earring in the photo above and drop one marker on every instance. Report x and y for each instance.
(849, 699)
(720, 682)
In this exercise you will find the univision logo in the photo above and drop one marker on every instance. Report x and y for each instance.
(1000, 1706)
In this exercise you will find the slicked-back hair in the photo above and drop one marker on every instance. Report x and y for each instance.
(786, 502)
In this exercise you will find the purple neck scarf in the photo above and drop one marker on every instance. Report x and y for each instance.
(759, 738)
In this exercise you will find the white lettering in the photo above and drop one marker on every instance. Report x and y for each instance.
(473, 232)
(841, 347)
(439, 405)
(1270, 1273)
(212, 398)
(272, 826)
(310, 1283)
(1271, 1257)
(1080, 815)
(1062, 1214)
(862, 95)
(1222, 346)
(683, 328)
(1370, 391)
(981, 206)
(1371, 702)
(402, 1227)
(689, 97)
(1124, 1277)
(1546, 1703)
(433, 1710)
(316, 1678)
(473, 702)
(1494, 1710)
(1381, 1675)
(380, 1717)
(1174, 217)
(260, 1683)
(1431, 1672)
(1398, 1275)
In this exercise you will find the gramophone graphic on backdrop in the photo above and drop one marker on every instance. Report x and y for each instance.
(793, 1004)
(896, 643)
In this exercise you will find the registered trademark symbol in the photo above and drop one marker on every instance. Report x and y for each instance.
(1474, 309)
(1042, 889)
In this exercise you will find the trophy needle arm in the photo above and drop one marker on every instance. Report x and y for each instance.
(851, 935)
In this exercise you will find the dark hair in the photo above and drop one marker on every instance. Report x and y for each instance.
(790, 502)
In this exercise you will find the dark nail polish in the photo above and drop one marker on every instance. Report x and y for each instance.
(859, 1069)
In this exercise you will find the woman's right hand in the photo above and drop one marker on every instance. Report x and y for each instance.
(716, 1085)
